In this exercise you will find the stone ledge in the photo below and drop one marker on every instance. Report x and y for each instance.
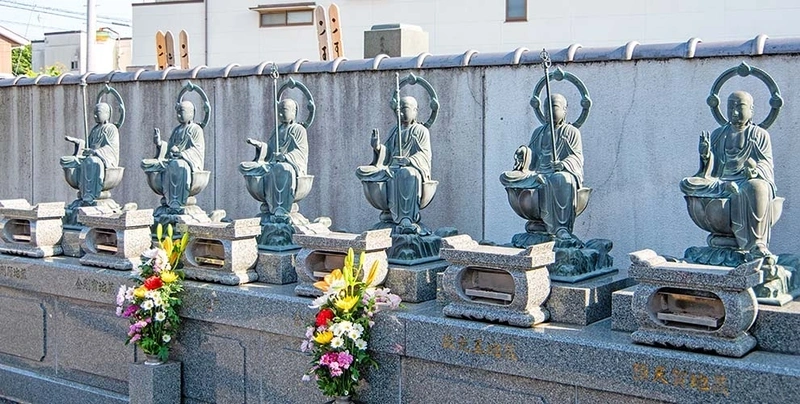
(37, 388)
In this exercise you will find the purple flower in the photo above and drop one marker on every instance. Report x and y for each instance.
(336, 371)
(306, 346)
(136, 337)
(130, 310)
(345, 359)
(328, 358)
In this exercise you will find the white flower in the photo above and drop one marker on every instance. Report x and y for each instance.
(337, 285)
(119, 311)
(337, 342)
(361, 344)
(160, 316)
(309, 332)
(306, 378)
(151, 253)
(318, 302)
(353, 334)
(358, 327)
(306, 346)
(166, 338)
(157, 301)
(147, 304)
(129, 294)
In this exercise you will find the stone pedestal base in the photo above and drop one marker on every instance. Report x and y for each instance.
(585, 302)
(576, 261)
(696, 307)
(395, 40)
(32, 231)
(221, 252)
(71, 242)
(324, 250)
(497, 284)
(114, 240)
(415, 283)
(155, 384)
(276, 268)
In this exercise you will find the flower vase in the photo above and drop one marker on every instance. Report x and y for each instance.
(152, 360)
(342, 400)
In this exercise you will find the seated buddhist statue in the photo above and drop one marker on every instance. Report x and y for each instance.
(735, 165)
(277, 176)
(93, 168)
(556, 178)
(398, 181)
(176, 173)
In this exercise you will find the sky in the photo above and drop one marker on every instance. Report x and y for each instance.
(32, 18)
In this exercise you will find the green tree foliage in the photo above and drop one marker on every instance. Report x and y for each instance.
(21, 64)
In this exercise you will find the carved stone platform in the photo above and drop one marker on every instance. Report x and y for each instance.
(71, 241)
(692, 306)
(325, 251)
(33, 231)
(585, 302)
(221, 252)
(497, 284)
(113, 239)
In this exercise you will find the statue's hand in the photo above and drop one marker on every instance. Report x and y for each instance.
(402, 161)
(704, 147)
(558, 166)
(157, 136)
(540, 179)
(519, 158)
(71, 139)
(375, 139)
(175, 152)
(88, 152)
(280, 157)
(252, 142)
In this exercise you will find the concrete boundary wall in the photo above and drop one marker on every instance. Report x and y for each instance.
(639, 140)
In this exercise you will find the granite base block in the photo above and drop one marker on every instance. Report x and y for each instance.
(33, 252)
(415, 283)
(276, 268)
(225, 278)
(776, 328)
(31, 387)
(155, 384)
(497, 314)
(71, 243)
(622, 318)
(585, 302)
(110, 262)
(734, 347)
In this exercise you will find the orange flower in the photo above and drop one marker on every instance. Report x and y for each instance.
(325, 284)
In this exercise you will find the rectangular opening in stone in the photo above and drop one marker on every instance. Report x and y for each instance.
(322, 263)
(105, 241)
(208, 253)
(683, 308)
(486, 285)
(18, 230)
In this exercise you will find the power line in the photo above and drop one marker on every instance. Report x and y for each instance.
(62, 10)
(40, 26)
(63, 14)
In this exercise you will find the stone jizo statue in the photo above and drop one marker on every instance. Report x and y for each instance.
(558, 178)
(177, 172)
(93, 168)
(736, 164)
(404, 170)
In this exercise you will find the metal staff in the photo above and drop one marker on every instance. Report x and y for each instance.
(85, 118)
(275, 104)
(397, 109)
(546, 65)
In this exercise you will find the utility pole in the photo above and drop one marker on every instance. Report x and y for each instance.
(91, 36)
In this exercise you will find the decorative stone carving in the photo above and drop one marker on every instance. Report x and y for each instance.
(546, 185)
(497, 284)
(221, 252)
(114, 240)
(398, 180)
(33, 231)
(93, 168)
(324, 250)
(733, 194)
(692, 306)
(277, 177)
(177, 172)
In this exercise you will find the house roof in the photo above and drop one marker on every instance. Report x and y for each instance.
(13, 37)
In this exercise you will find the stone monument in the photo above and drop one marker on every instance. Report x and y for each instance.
(221, 252)
(32, 231)
(546, 185)
(496, 284)
(93, 168)
(177, 172)
(114, 239)
(278, 178)
(733, 194)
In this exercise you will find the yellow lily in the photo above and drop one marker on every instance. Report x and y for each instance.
(325, 284)
(370, 276)
(159, 232)
(323, 337)
(346, 303)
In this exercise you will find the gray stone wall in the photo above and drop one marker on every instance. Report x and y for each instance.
(639, 140)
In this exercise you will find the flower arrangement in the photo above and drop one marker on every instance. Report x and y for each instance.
(339, 336)
(152, 305)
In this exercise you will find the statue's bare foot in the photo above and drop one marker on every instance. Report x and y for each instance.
(760, 250)
(563, 234)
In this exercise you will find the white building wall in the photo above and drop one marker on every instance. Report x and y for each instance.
(62, 48)
(149, 18)
(458, 25)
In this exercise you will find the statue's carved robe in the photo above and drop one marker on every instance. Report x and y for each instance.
(560, 188)
(404, 184)
(104, 141)
(177, 172)
(280, 178)
(751, 211)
